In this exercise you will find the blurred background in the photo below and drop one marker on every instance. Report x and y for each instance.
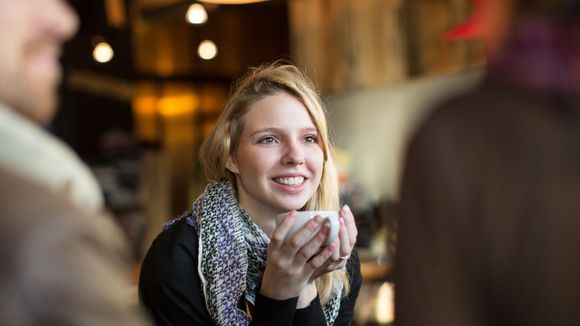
(146, 79)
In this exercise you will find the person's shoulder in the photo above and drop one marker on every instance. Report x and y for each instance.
(23, 198)
(178, 234)
(463, 108)
(488, 104)
(476, 114)
(171, 253)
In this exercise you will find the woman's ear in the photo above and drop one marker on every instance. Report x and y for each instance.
(232, 166)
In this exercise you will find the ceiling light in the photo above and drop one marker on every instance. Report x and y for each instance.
(207, 50)
(196, 14)
(103, 52)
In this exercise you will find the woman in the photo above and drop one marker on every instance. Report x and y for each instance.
(225, 261)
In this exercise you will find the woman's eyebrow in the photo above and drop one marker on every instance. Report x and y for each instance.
(274, 129)
(259, 131)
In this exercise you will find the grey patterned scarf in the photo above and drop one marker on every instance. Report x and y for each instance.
(232, 255)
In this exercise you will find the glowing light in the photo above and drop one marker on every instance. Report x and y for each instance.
(207, 50)
(385, 312)
(196, 14)
(103, 52)
(231, 2)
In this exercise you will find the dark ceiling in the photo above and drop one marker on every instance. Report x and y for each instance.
(246, 35)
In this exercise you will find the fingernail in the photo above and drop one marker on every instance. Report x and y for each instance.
(316, 220)
(347, 207)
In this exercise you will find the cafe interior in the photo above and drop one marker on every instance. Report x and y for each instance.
(145, 80)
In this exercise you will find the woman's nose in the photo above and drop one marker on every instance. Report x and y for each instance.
(294, 155)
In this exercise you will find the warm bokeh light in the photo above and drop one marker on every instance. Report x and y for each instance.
(207, 50)
(179, 104)
(196, 14)
(385, 312)
(231, 2)
(103, 52)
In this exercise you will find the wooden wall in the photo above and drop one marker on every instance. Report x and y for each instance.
(347, 45)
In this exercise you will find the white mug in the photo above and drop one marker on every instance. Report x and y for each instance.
(330, 218)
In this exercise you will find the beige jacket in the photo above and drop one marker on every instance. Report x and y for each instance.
(32, 153)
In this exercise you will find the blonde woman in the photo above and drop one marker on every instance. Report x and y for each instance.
(225, 262)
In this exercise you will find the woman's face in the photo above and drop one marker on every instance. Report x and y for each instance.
(279, 160)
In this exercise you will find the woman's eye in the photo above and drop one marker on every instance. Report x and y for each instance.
(267, 140)
(311, 139)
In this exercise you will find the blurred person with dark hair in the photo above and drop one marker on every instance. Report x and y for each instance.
(490, 219)
(61, 262)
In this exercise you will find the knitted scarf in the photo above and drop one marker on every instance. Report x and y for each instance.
(232, 255)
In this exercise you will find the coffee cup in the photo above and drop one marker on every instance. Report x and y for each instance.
(302, 217)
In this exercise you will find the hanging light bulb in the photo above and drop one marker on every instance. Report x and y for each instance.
(207, 50)
(103, 52)
(196, 14)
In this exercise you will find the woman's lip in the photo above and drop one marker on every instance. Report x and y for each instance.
(291, 175)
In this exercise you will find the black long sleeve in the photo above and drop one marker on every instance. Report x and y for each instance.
(170, 287)
(346, 312)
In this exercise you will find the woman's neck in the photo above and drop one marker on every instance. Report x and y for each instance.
(265, 219)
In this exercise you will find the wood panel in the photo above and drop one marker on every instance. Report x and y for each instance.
(348, 45)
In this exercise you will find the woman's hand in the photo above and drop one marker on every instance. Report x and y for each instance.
(298, 262)
(291, 263)
(344, 243)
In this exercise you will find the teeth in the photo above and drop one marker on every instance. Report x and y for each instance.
(294, 181)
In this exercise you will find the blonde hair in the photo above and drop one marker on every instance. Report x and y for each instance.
(223, 140)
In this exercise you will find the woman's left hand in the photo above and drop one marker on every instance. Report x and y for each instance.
(344, 243)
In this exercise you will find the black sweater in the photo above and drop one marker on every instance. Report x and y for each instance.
(170, 287)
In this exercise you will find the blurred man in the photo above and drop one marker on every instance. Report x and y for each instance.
(491, 191)
(31, 36)
(61, 263)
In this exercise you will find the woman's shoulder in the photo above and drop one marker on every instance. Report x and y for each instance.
(178, 233)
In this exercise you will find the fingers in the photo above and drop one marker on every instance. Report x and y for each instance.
(305, 235)
(303, 254)
(349, 223)
(345, 245)
(279, 234)
(314, 246)
(326, 262)
(322, 258)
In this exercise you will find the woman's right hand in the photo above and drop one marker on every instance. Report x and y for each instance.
(294, 264)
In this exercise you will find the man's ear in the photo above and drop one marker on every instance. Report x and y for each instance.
(232, 166)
